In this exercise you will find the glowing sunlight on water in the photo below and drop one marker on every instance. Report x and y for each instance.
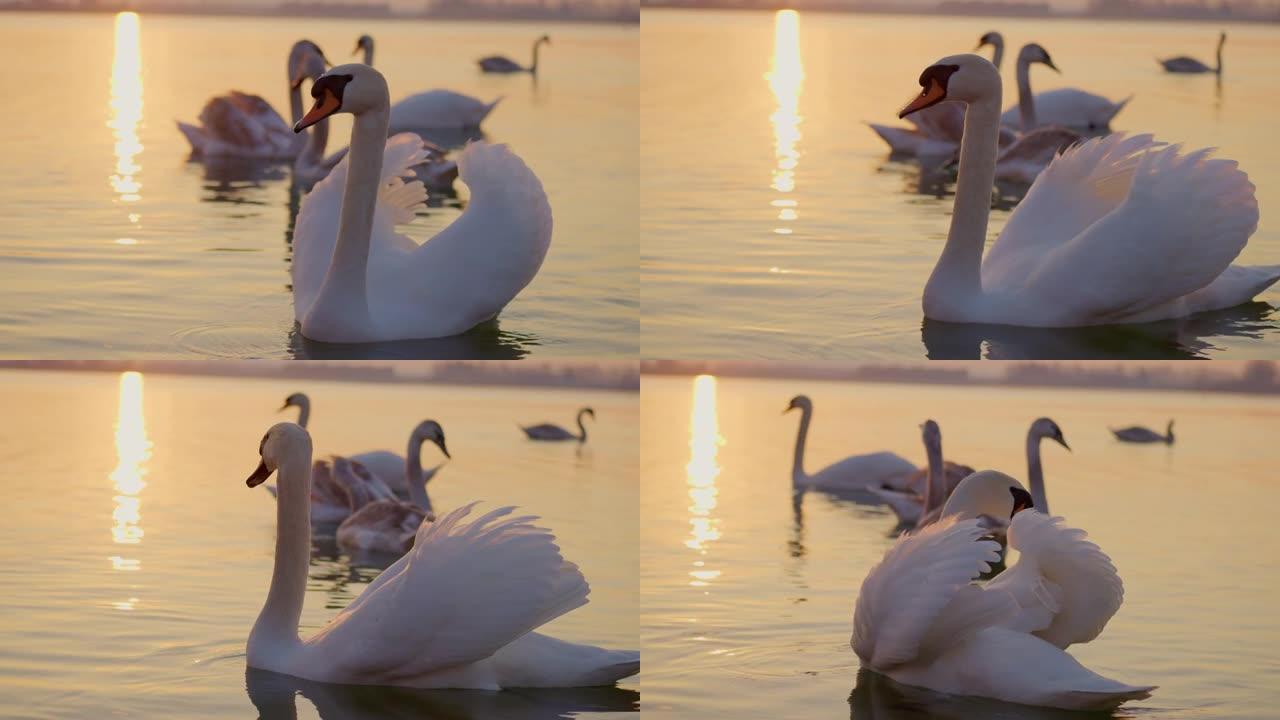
(786, 79)
(133, 450)
(126, 110)
(702, 471)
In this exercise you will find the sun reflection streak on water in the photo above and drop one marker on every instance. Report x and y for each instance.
(126, 110)
(133, 450)
(701, 472)
(786, 80)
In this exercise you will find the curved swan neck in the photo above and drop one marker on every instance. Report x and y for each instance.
(582, 429)
(1026, 102)
(368, 53)
(277, 624)
(957, 278)
(997, 55)
(304, 411)
(936, 489)
(1035, 474)
(797, 464)
(295, 102)
(1222, 40)
(413, 473)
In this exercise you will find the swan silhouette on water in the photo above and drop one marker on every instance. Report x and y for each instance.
(396, 471)
(503, 64)
(1154, 229)
(459, 610)
(922, 621)
(856, 472)
(1184, 64)
(433, 109)
(1138, 434)
(244, 126)
(357, 280)
(554, 433)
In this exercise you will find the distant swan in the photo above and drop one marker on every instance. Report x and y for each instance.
(920, 507)
(357, 280)
(1137, 434)
(857, 472)
(921, 620)
(433, 109)
(457, 611)
(240, 125)
(502, 64)
(1153, 229)
(1184, 64)
(548, 431)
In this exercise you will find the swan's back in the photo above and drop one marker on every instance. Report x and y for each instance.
(440, 109)
(242, 125)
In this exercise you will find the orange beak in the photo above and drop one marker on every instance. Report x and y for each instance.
(933, 94)
(326, 105)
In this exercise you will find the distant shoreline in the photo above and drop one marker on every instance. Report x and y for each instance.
(631, 17)
(836, 8)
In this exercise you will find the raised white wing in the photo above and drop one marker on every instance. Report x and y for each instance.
(464, 591)
(919, 599)
(1066, 587)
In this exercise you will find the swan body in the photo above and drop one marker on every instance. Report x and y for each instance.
(1071, 107)
(1154, 228)
(501, 64)
(857, 472)
(440, 110)
(1184, 64)
(921, 620)
(356, 279)
(1138, 434)
(457, 611)
(555, 433)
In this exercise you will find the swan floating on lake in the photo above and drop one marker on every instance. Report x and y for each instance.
(357, 280)
(503, 64)
(921, 620)
(433, 109)
(1138, 434)
(1154, 229)
(456, 611)
(856, 472)
(552, 432)
(1184, 64)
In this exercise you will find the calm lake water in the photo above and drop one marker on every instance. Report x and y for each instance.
(114, 245)
(136, 560)
(775, 225)
(747, 602)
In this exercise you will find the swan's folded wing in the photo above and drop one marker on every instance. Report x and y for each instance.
(920, 594)
(1185, 218)
(1078, 188)
(1081, 589)
(465, 590)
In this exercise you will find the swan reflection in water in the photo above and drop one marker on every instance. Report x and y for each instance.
(878, 697)
(1181, 339)
(274, 695)
(483, 342)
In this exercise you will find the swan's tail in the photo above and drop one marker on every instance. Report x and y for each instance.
(905, 505)
(489, 108)
(1115, 110)
(195, 136)
(899, 140)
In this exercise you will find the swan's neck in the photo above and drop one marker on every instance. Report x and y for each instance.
(1221, 42)
(277, 624)
(295, 103)
(1026, 102)
(997, 56)
(1035, 474)
(368, 53)
(537, 44)
(582, 429)
(304, 412)
(797, 463)
(346, 282)
(413, 473)
(936, 488)
(957, 278)
(314, 152)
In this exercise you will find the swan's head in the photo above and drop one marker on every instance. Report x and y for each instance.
(965, 78)
(306, 62)
(353, 88)
(281, 441)
(430, 431)
(932, 435)
(1046, 428)
(364, 42)
(800, 401)
(587, 411)
(987, 493)
(294, 400)
(993, 38)
(1033, 53)
(545, 39)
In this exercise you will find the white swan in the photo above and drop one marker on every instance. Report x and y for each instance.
(240, 125)
(355, 279)
(457, 611)
(920, 506)
(1152, 228)
(551, 432)
(921, 620)
(1137, 434)
(503, 64)
(392, 469)
(1184, 64)
(1069, 107)
(433, 109)
(857, 472)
